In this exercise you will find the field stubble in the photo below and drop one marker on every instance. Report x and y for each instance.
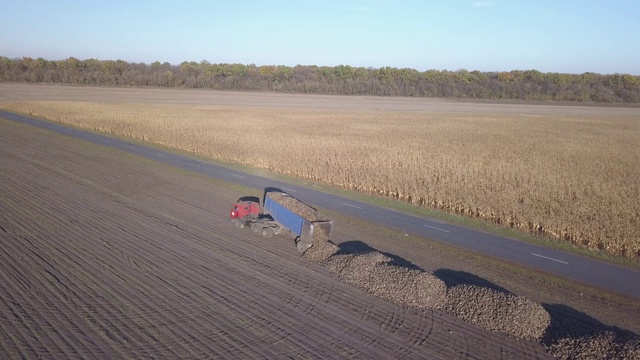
(572, 178)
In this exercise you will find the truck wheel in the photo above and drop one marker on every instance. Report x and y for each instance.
(267, 232)
(255, 228)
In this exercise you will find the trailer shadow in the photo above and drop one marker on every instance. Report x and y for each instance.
(450, 277)
(453, 278)
(357, 247)
(567, 322)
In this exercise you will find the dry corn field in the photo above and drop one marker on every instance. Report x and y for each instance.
(568, 175)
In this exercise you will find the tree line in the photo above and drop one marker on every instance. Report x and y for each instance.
(336, 80)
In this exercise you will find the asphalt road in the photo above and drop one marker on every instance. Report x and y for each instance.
(571, 266)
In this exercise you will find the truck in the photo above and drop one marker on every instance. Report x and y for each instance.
(282, 213)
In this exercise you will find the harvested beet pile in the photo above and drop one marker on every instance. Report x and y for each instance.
(575, 335)
(375, 273)
(599, 345)
(380, 275)
(493, 310)
(322, 248)
(498, 311)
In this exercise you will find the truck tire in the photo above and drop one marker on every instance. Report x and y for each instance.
(240, 223)
(255, 228)
(267, 232)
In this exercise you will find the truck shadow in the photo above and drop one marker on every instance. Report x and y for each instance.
(249, 198)
(357, 247)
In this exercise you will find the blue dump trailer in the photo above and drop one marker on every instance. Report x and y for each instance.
(281, 213)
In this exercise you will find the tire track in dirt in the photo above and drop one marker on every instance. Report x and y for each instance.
(49, 277)
(391, 319)
(51, 290)
(36, 317)
(106, 325)
(268, 279)
(208, 270)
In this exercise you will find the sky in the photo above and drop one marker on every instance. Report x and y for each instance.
(568, 36)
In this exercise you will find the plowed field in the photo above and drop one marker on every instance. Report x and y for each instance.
(105, 255)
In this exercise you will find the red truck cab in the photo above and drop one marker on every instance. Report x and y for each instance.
(245, 210)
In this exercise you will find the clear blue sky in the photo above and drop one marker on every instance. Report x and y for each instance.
(488, 35)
